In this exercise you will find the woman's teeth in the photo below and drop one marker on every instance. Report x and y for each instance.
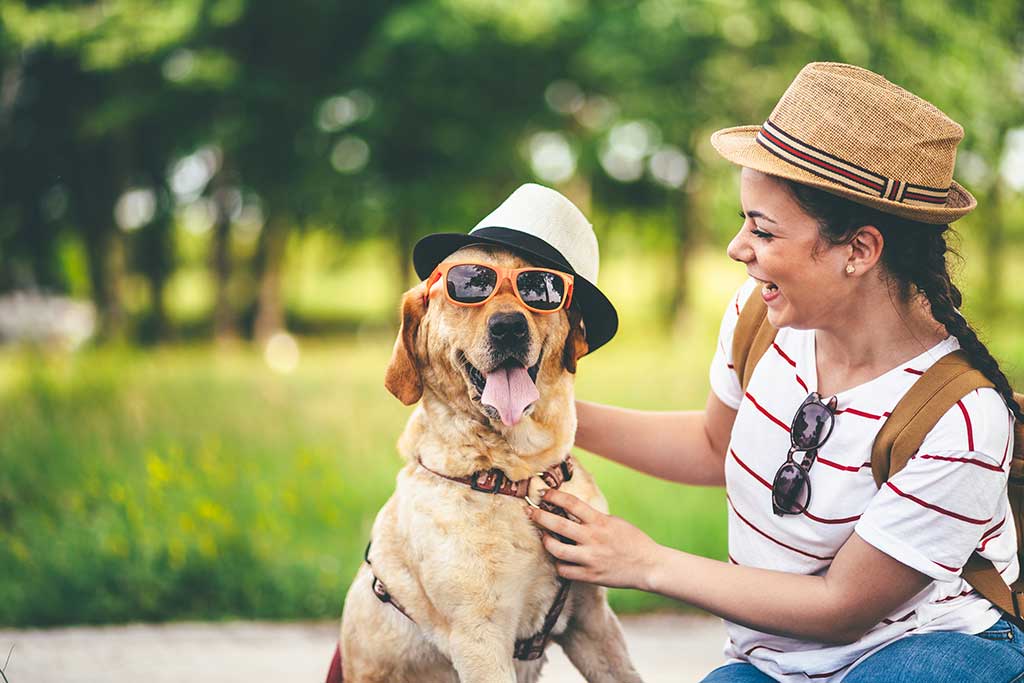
(769, 287)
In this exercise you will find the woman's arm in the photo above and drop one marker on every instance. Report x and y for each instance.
(862, 586)
(686, 447)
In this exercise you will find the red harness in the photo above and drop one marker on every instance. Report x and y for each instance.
(495, 481)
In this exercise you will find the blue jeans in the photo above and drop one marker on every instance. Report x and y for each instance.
(992, 656)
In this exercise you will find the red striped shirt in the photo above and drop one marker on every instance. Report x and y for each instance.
(773, 539)
(929, 518)
(936, 508)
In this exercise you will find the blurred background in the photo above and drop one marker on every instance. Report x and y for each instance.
(207, 210)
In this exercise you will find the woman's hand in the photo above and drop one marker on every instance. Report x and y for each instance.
(609, 551)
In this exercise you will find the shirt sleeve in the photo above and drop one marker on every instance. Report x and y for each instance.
(724, 380)
(932, 514)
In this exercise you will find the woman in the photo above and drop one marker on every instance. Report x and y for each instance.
(846, 193)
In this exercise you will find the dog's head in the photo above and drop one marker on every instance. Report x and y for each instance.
(499, 359)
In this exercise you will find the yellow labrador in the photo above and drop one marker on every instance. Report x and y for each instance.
(466, 568)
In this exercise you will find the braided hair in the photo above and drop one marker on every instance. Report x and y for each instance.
(914, 257)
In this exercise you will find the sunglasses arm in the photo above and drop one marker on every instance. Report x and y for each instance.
(434, 278)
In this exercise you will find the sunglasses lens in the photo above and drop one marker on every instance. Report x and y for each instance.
(541, 289)
(791, 491)
(470, 284)
(810, 426)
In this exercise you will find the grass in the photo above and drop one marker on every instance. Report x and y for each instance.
(192, 482)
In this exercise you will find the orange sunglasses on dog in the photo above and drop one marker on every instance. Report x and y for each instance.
(541, 290)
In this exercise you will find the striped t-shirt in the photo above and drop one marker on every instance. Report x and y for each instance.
(949, 500)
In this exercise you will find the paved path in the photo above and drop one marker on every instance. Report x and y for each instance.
(666, 649)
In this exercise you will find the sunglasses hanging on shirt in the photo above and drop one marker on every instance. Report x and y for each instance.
(812, 425)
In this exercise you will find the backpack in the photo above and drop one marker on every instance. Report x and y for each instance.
(935, 392)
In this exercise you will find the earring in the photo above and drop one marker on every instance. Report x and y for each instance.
(850, 269)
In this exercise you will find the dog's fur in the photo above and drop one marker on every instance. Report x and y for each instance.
(469, 567)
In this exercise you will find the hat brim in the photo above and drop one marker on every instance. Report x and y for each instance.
(599, 315)
(739, 145)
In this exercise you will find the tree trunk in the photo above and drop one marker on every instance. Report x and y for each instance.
(578, 190)
(157, 277)
(40, 238)
(993, 235)
(269, 305)
(154, 257)
(405, 235)
(104, 248)
(94, 191)
(684, 238)
(225, 318)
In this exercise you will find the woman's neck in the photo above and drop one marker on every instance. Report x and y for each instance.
(871, 337)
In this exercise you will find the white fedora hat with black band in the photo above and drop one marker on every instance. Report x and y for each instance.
(545, 227)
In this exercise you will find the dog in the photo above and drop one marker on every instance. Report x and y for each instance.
(455, 576)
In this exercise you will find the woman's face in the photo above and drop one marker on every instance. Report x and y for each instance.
(802, 277)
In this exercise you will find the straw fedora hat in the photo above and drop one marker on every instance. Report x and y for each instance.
(851, 132)
(547, 228)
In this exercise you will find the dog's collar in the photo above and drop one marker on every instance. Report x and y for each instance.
(496, 481)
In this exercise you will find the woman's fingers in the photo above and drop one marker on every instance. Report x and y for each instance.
(592, 546)
(562, 551)
(573, 572)
(571, 504)
(555, 523)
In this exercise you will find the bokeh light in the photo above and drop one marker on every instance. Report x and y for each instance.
(565, 97)
(350, 154)
(551, 157)
(282, 353)
(669, 166)
(1012, 167)
(135, 208)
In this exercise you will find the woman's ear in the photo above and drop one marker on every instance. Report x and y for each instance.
(866, 248)
(402, 377)
(576, 341)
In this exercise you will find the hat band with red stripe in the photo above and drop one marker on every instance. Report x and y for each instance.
(828, 166)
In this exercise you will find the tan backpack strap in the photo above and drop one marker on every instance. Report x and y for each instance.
(752, 337)
(984, 578)
(933, 394)
(1015, 492)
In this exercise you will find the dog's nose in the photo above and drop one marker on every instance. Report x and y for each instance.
(507, 328)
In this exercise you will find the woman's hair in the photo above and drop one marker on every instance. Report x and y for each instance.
(914, 256)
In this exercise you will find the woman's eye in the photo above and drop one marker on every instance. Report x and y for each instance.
(757, 232)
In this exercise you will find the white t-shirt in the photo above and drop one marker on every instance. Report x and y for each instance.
(948, 501)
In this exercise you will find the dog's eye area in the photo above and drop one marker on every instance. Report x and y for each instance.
(541, 289)
(470, 283)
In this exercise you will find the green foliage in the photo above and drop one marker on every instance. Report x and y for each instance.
(452, 92)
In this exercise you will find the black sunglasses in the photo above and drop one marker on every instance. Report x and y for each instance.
(812, 425)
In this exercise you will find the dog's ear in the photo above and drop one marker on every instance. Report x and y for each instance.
(402, 377)
(576, 341)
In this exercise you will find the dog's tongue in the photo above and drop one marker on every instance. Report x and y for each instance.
(509, 391)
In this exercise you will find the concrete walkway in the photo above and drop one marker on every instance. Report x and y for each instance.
(666, 648)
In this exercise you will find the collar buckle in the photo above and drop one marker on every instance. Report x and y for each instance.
(487, 481)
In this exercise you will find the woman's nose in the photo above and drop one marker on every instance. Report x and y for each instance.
(739, 248)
